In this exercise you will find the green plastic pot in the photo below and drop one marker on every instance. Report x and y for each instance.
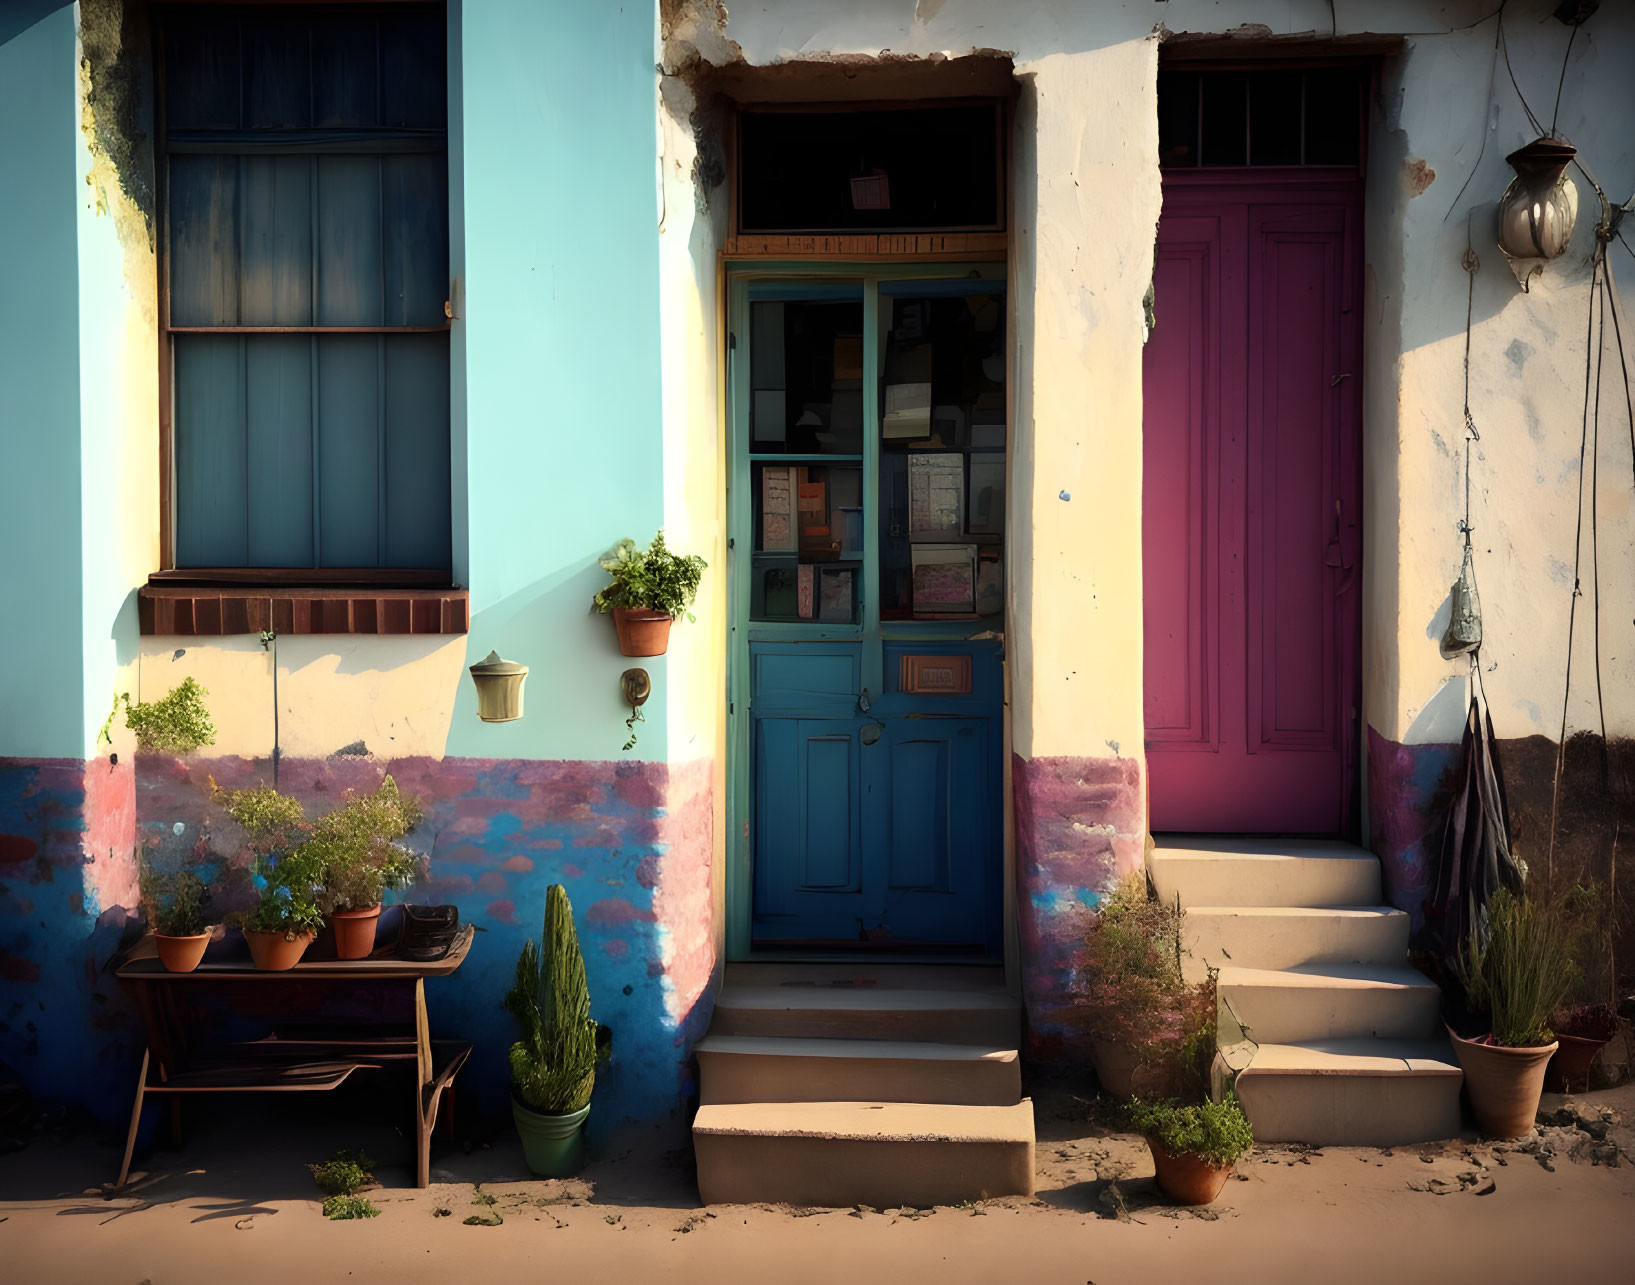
(553, 1145)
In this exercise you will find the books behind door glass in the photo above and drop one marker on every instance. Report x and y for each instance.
(944, 579)
(908, 411)
(936, 496)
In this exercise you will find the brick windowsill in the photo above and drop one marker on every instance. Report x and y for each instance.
(213, 612)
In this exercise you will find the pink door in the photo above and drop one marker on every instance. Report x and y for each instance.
(1251, 505)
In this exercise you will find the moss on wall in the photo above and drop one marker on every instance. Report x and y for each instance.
(116, 108)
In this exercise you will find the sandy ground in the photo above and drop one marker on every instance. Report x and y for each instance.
(235, 1204)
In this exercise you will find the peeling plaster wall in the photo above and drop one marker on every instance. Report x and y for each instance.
(1527, 367)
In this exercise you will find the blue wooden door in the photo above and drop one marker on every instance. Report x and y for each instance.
(867, 520)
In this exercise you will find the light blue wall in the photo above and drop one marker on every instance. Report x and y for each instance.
(564, 451)
(41, 707)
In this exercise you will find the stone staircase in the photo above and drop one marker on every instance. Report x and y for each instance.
(858, 1084)
(1342, 1042)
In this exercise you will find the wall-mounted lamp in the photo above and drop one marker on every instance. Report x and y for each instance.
(1539, 208)
(499, 688)
(636, 686)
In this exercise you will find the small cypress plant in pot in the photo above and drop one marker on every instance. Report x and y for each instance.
(357, 846)
(648, 591)
(178, 903)
(1516, 974)
(553, 1062)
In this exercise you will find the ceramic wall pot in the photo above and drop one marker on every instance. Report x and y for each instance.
(642, 633)
(1187, 1179)
(181, 954)
(276, 952)
(1503, 1083)
(354, 931)
(553, 1145)
(1569, 1069)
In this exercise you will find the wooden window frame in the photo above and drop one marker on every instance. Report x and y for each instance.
(323, 579)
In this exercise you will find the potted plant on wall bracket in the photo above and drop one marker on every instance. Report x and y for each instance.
(649, 589)
(178, 903)
(357, 846)
(1514, 978)
(553, 1063)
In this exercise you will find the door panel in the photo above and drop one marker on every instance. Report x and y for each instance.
(868, 542)
(1251, 496)
(808, 786)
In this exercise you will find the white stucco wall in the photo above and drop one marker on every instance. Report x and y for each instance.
(1086, 187)
(1526, 388)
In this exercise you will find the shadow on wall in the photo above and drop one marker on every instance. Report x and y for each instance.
(65, 1030)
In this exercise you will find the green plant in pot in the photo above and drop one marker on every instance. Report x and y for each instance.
(178, 905)
(287, 916)
(358, 849)
(1136, 992)
(648, 590)
(1193, 1146)
(1515, 976)
(553, 1062)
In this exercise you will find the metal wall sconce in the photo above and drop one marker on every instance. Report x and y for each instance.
(1539, 208)
(636, 686)
(499, 688)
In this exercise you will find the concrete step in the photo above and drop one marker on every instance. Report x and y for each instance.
(1352, 1093)
(1332, 1001)
(741, 1068)
(1288, 936)
(1264, 872)
(863, 973)
(862, 1153)
(969, 1016)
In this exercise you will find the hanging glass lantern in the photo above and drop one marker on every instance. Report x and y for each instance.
(1538, 209)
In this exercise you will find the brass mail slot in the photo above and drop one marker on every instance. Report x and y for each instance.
(936, 675)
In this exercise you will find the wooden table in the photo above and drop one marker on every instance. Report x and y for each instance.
(295, 1059)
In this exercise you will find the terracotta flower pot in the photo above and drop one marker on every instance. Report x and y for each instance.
(1187, 1179)
(354, 931)
(1503, 1083)
(181, 954)
(1115, 1067)
(641, 632)
(1569, 1069)
(277, 952)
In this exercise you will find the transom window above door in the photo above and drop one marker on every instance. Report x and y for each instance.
(1279, 117)
(306, 268)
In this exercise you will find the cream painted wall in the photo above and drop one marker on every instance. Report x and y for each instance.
(118, 372)
(691, 225)
(1077, 563)
(1526, 389)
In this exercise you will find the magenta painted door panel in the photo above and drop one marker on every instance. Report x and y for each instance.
(1251, 501)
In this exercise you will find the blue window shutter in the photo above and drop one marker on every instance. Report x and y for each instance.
(211, 476)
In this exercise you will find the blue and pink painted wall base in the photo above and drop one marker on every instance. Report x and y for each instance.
(67, 830)
(632, 842)
(1566, 835)
(1080, 824)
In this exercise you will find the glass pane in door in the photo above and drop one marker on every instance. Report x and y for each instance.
(942, 452)
(806, 377)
